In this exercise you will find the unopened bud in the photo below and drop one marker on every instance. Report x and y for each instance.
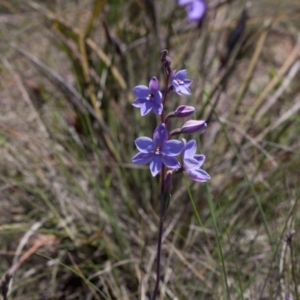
(163, 54)
(183, 111)
(193, 126)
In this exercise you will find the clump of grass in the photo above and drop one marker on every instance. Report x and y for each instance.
(66, 139)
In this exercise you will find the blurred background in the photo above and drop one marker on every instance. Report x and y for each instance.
(78, 220)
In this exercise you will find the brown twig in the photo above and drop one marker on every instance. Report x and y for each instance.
(5, 280)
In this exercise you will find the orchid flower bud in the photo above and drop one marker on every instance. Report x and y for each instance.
(193, 126)
(183, 111)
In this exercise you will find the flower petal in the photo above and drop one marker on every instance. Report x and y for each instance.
(142, 158)
(181, 75)
(200, 158)
(154, 84)
(138, 102)
(190, 149)
(198, 175)
(160, 135)
(196, 10)
(144, 144)
(157, 97)
(157, 108)
(172, 148)
(141, 91)
(184, 2)
(171, 162)
(155, 165)
(190, 163)
(183, 90)
(146, 107)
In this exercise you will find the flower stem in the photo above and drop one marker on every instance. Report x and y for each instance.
(161, 200)
(160, 233)
(161, 223)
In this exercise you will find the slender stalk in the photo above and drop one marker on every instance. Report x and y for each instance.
(162, 204)
(160, 233)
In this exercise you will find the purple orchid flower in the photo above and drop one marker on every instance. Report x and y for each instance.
(148, 98)
(180, 83)
(158, 151)
(195, 9)
(192, 161)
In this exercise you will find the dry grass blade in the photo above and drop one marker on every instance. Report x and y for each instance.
(25, 94)
(250, 70)
(6, 280)
(286, 82)
(287, 115)
(79, 271)
(252, 141)
(98, 6)
(85, 61)
(282, 262)
(198, 274)
(107, 61)
(77, 99)
(120, 79)
(269, 88)
(86, 75)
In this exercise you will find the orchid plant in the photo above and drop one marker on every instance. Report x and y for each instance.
(162, 151)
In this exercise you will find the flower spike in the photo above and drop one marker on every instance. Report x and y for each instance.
(161, 151)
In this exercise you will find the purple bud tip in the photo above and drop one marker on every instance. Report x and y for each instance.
(163, 54)
(193, 126)
(167, 62)
(183, 111)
